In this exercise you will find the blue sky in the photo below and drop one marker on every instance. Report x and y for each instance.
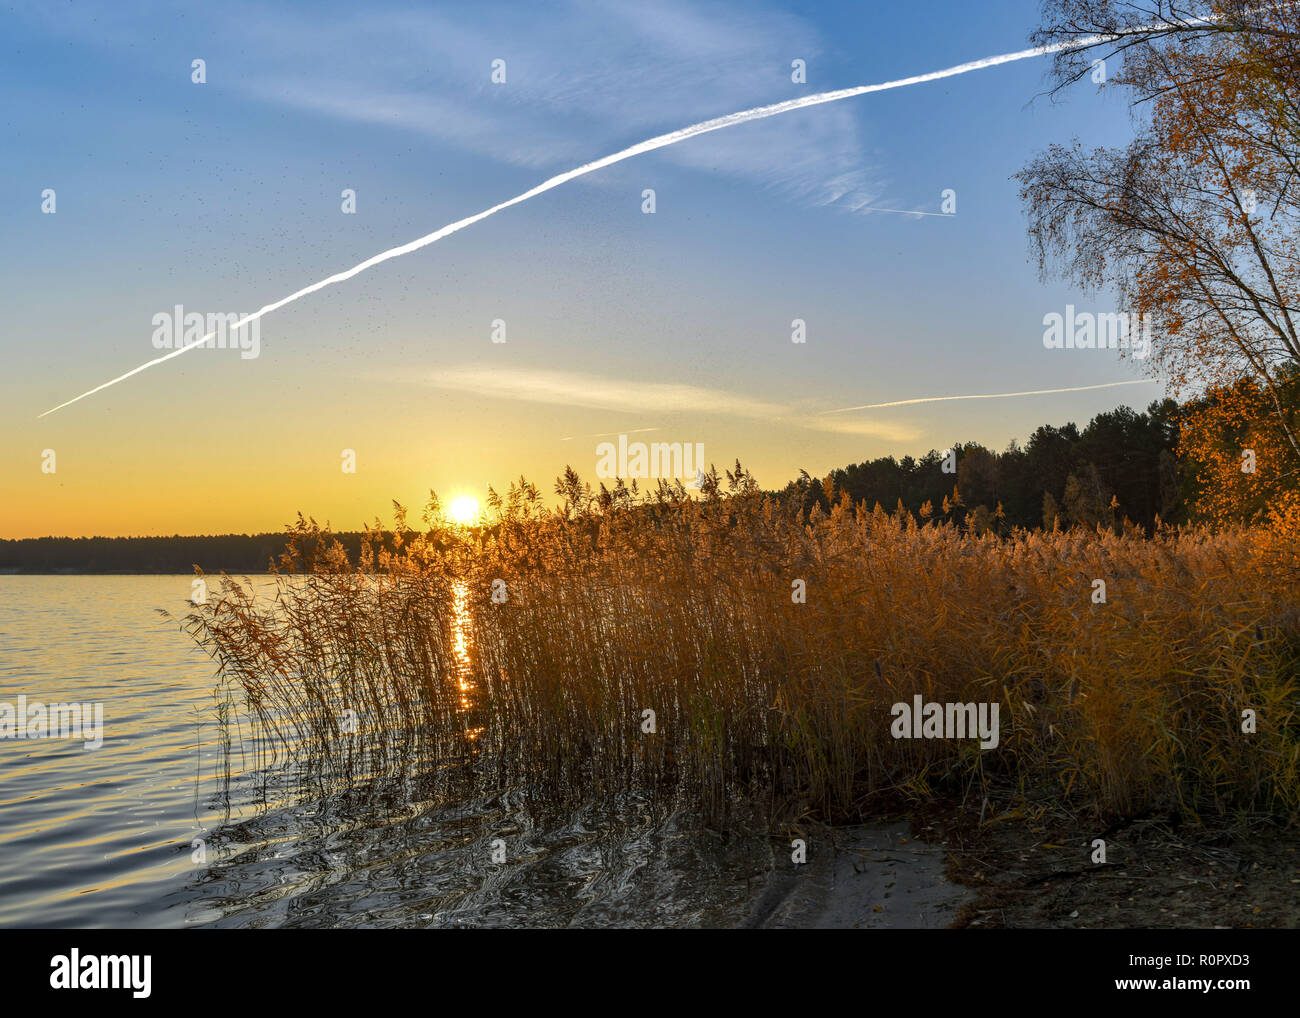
(226, 195)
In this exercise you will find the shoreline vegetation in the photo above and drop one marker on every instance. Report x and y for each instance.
(1118, 602)
(528, 652)
(1124, 464)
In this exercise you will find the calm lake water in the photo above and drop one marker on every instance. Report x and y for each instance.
(105, 837)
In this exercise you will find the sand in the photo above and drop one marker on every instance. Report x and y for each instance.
(864, 877)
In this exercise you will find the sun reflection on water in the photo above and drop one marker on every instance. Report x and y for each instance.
(461, 651)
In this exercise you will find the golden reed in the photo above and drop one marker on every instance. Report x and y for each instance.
(526, 651)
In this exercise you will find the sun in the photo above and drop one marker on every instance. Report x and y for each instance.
(463, 510)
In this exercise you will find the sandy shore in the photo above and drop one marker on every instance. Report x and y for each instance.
(865, 877)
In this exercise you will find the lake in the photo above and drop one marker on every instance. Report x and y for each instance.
(152, 829)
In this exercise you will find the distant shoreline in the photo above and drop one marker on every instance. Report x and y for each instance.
(248, 554)
(130, 572)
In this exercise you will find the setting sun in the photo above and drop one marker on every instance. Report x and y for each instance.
(550, 572)
(463, 510)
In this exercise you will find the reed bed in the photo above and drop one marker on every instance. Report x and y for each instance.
(621, 602)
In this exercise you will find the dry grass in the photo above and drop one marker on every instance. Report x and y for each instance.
(620, 602)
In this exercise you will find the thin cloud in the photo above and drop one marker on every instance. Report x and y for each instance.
(865, 428)
(597, 392)
(990, 395)
(627, 69)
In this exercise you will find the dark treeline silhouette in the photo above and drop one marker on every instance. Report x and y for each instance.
(1123, 465)
(231, 553)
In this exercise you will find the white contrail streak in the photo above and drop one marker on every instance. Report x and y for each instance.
(989, 395)
(662, 141)
(908, 212)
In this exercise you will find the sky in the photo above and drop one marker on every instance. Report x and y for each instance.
(224, 195)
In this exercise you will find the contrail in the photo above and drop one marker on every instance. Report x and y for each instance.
(908, 212)
(989, 395)
(662, 141)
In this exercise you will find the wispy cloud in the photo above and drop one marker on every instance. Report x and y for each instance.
(622, 70)
(582, 78)
(866, 427)
(598, 392)
(595, 392)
